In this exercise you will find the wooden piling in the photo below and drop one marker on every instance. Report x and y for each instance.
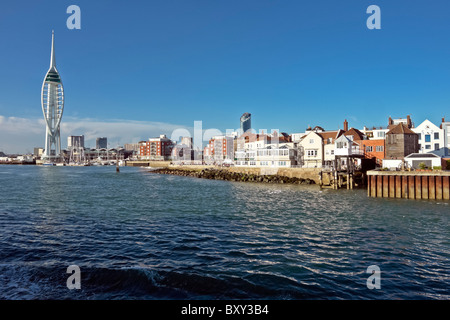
(446, 188)
(424, 187)
(418, 187)
(412, 187)
(431, 188)
(385, 186)
(405, 188)
(379, 186)
(392, 186)
(438, 184)
(398, 186)
(408, 185)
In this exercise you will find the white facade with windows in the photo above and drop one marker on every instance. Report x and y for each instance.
(312, 145)
(431, 137)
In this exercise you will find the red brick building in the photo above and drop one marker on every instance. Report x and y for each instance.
(374, 149)
(156, 148)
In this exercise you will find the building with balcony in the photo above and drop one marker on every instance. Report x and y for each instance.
(156, 148)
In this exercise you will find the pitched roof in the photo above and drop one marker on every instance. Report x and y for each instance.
(401, 128)
(357, 135)
(330, 134)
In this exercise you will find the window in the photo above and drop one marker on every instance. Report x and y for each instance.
(427, 138)
(436, 135)
(282, 163)
(369, 149)
(379, 148)
(381, 134)
(420, 136)
(311, 140)
(341, 145)
(436, 146)
(311, 153)
(428, 147)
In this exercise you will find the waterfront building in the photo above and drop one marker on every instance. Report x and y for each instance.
(406, 121)
(222, 148)
(374, 149)
(263, 150)
(37, 152)
(312, 146)
(131, 147)
(427, 160)
(101, 143)
(75, 141)
(328, 141)
(400, 142)
(246, 122)
(431, 137)
(445, 126)
(182, 153)
(52, 102)
(156, 148)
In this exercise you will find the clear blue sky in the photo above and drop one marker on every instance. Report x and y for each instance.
(289, 63)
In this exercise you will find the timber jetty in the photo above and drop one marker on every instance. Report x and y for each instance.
(409, 184)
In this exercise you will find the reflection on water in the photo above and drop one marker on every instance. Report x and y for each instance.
(140, 235)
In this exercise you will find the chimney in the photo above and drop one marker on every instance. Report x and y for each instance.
(390, 121)
(408, 120)
(345, 125)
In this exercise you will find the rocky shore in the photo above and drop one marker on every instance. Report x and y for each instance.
(224, 174)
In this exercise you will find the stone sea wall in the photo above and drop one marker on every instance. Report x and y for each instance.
(239, 174)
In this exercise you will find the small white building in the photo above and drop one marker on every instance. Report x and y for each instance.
(430, 160)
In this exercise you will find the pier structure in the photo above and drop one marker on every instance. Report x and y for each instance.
(409, 184)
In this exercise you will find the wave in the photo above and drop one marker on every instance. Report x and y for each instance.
(26, 282)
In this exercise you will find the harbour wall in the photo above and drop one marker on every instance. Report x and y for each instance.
(409, 185)
(312, 174)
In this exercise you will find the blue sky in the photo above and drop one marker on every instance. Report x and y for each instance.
(290, 63)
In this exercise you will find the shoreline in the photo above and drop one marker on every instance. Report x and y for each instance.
(228, 175)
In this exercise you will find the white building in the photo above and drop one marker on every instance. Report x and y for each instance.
(266, 151)
(429, 160)
(431, 137)
(446, 135)
(312, 145)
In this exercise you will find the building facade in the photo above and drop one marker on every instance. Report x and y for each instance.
(156, 148)
(246, 122)
(400, 142)
(75, 141)
(101, 143)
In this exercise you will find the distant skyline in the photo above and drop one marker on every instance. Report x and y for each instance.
(140, 69)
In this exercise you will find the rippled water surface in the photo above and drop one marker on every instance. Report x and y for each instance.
(138, 235)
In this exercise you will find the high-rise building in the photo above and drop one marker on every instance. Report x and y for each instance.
(101, 143)
(75, 141)
(52, 102)
(246, 122)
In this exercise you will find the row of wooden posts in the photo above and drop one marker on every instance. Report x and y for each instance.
(408, 185)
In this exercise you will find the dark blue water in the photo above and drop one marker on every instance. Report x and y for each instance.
(138, 235)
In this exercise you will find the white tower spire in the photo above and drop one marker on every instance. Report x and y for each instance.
(52, 101)
(52, 58)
